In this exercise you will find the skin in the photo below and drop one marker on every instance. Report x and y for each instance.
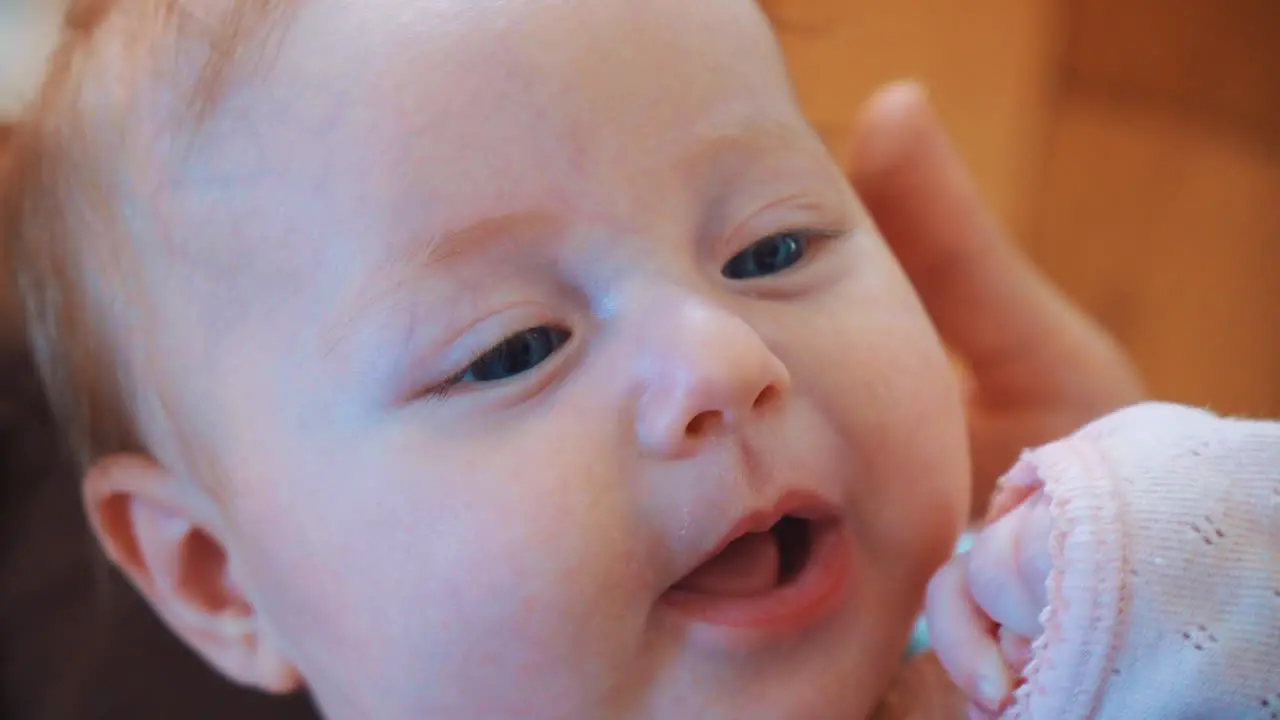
(184, 545)
(984, 610)
(382, 206)
(1035, 367)
(1048, 370)
(984, 607)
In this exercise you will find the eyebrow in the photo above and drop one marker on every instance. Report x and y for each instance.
(708, 158)
(752, 153)
(713, 158)
(773, 135)
(474, 239)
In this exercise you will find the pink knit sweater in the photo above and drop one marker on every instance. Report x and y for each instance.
(1165, 587)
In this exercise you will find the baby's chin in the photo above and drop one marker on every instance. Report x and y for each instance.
(839, 686)
(839, 669)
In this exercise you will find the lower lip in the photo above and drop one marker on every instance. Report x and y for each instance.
(803, 601)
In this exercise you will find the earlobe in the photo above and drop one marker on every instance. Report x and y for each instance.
(162, 534)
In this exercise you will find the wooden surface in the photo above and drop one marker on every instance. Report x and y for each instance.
(987, 66)
(1132, 146)
(1170, 233)
(1212, 61)
(1159, 203)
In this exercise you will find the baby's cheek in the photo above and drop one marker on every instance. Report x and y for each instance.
(548, 605)
(381, 568)
(537, 599)
(887, 378)
(918, 459)
(534, 573)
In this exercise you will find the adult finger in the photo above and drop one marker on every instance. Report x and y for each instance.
(987, 300)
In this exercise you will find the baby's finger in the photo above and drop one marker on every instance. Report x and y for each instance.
(1016, 650)
(995, 575)
(963, 638)
(976, 712)
(1035, 559)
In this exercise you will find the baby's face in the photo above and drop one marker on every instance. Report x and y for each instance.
(503, 318)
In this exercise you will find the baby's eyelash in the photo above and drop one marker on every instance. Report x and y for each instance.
(443, 390)
(543, 340)
(809, 235)
(812, 234)
(777, 253)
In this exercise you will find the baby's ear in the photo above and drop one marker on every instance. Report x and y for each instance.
(160, 533)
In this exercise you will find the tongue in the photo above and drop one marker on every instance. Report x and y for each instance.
(748, 566)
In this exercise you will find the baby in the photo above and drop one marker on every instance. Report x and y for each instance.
(453, 358)
(469, 359)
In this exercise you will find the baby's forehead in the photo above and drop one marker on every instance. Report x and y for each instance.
(417, 109)
(355, 149)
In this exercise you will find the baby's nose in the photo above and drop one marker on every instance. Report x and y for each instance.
(708, 373)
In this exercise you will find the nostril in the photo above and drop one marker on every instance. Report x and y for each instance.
(704, 423)
(767, 397)
(708, 422)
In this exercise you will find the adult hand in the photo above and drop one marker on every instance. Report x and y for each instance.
(1035, 366)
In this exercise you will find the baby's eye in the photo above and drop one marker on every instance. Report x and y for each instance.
(769, 256)
(517, 354)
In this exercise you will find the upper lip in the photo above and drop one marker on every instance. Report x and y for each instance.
(797, 504)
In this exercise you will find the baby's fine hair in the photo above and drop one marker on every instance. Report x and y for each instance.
(130, 83)
(128, 90)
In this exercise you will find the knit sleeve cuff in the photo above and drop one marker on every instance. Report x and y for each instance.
(1072, 658)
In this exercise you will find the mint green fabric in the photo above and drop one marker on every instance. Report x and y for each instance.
(920, 635)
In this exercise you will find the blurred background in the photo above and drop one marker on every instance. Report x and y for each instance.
(1131, 146)
(27, 29)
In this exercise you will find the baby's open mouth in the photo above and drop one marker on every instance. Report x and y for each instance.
(786, 577)
(754, 563)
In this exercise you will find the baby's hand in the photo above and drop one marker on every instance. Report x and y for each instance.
(984, 607)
